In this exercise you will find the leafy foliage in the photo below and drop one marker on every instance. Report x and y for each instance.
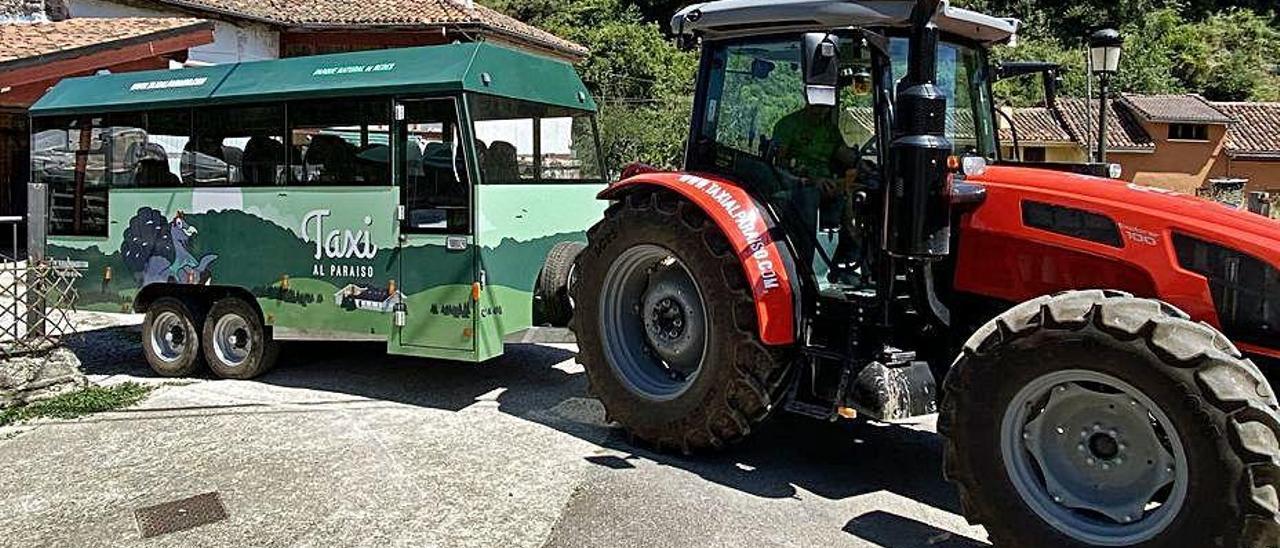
(1223, 49)
(1226, 51)
(70, 405)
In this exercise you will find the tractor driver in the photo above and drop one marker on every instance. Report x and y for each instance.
(813, 145)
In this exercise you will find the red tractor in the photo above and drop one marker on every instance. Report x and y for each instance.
(846, 238)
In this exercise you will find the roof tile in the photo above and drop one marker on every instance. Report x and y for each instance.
(1256, 131)
(1124, 132)
(26, 40)
(1035, 124)
(320, 14)
(1180, 108)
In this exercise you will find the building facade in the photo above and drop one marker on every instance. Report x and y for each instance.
(1179, 142)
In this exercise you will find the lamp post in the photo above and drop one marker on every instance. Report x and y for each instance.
(1104, 57)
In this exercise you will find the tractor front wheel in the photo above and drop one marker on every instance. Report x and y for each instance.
(1094, 418)
(666, 326)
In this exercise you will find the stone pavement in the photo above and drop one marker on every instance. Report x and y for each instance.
(343, 445)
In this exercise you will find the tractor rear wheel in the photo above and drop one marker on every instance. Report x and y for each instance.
(667, 327)
(1094, 418)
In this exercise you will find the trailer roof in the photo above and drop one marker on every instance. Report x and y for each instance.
(734, 18)
(477, 67)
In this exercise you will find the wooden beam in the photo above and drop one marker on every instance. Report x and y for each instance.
(90, 63)
(24, 95)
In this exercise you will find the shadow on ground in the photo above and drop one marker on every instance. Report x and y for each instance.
(894, 531)
(834, 461)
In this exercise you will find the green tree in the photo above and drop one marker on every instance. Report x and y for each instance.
(1231, 56)
(642, 82)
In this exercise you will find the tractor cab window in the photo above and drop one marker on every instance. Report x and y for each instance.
(756, 116)
(962, 77)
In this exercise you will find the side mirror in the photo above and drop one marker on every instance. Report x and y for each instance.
(821, 65)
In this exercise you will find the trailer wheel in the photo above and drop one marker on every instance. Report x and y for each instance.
(236, 344)
(667, 327)
(171, 338)
(551, 300)
(1094, 418)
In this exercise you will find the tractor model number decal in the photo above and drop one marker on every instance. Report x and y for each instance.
(1140, 235)
(749, 224)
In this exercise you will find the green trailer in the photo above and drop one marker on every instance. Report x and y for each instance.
(429, 197)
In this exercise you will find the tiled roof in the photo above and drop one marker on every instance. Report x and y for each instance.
(1035, 124)
(19, 41)
(331, 14)
(1124, 132)
(1256, 131)
(1184, 108)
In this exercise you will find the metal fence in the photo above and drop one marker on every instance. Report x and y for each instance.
(37, 300)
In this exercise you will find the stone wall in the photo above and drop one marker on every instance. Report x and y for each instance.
(32, 377)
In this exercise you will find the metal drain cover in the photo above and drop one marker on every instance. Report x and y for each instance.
(180, 515)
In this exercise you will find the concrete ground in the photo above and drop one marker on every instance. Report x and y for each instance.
(342, 445)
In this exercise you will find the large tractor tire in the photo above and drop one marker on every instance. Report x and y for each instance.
(666, 326)
(1094, 418)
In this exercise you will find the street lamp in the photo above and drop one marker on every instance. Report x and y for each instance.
(1104, 57)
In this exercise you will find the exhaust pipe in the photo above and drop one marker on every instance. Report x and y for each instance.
(918, 204)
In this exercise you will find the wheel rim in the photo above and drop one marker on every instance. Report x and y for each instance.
(571, 279)
(654, 322)
(1094, 457)
(169, 336)
(232, 342)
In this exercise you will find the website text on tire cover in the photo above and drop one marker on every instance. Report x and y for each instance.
(410, 196)
(845, 238)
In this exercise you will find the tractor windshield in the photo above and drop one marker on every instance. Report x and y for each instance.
(962, 77)
(755, 124)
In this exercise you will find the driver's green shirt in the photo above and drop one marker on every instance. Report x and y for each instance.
(807, 141)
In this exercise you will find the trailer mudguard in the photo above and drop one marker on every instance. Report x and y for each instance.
(767, 261)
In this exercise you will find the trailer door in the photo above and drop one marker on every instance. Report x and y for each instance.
(437, 252)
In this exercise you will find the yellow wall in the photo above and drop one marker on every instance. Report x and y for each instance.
(1055, 152)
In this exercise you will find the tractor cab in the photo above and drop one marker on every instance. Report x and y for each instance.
(800, 111)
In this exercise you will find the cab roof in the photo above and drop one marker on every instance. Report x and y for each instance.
(734, 18)
(479, 67)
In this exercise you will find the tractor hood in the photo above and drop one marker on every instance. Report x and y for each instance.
(1156, 207)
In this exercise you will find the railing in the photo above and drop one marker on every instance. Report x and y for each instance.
(37, 300)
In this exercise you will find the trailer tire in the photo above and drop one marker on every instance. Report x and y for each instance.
(1069, 363)
(236, 344)
(552, 304)
(737, 379)
(171, 338)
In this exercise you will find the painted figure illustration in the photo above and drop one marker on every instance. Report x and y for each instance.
(158, 250)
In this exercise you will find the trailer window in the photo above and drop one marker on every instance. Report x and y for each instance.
(341, 142)
(236, 146)
(523, 142)
(70, 156)
(436, 190)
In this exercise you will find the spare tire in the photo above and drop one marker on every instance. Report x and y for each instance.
(552, 304)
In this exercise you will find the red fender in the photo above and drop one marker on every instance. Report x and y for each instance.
(766, 262)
